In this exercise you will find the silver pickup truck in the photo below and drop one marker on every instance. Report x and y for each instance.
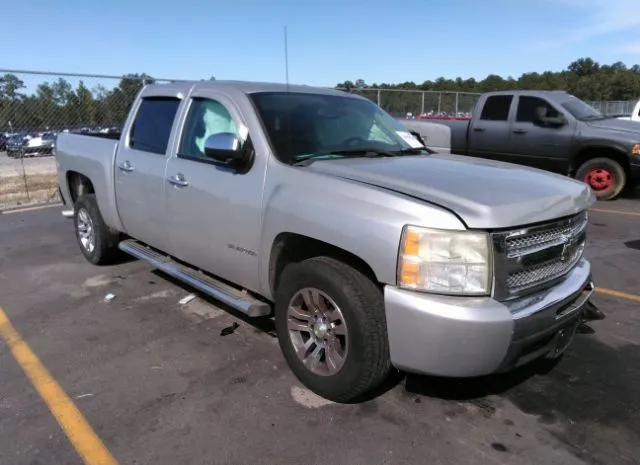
(316, 207)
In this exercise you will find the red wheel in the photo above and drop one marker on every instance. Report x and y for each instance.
(605, 176)
(600, 179)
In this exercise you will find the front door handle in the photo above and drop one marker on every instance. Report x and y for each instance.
(178, 180)
(520, 131)
(126, 166)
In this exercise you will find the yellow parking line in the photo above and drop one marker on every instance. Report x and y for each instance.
(617, 212)
(30, 209)
(622, 295)
(80, 434)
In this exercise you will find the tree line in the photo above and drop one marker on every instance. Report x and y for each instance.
(58, 105)
(584, 78)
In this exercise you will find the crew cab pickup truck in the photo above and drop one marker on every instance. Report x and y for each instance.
(550, 130)
(315, 207)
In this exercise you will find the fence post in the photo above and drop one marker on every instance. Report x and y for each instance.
(378, 97)
(439, 101)
(422, 107)
(24, 177)
(457, 93)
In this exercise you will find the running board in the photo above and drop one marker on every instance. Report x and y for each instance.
(226, 294)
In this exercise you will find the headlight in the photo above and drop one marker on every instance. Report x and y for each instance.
(445, 262)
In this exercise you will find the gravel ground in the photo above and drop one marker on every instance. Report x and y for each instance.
(10, 167)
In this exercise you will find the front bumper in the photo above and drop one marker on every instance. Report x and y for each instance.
(38, 150)
(465, 337)
(26, 151)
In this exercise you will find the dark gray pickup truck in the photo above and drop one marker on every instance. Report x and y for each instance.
(550, 130)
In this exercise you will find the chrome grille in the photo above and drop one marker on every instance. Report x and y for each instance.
(530, 258)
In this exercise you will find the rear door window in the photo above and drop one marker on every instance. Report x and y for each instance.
(151, 128)
(496, 108)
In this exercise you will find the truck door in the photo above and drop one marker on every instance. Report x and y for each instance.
(489, 132)
(140, 170)
(537, 144)
(214, 212)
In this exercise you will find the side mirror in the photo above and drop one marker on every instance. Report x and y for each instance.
(224, 147)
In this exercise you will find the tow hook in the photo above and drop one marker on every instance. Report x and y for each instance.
(589, 313)
(592, 313)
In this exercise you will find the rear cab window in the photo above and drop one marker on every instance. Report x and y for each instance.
(151, 129)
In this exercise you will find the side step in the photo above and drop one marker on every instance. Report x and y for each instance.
(218, 290)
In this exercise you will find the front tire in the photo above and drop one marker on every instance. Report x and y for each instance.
(331, 327)
(98, 243)
(605, 176)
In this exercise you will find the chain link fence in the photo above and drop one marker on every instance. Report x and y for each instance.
(36, 106)
(615, 108)
(443, 104)
(427, 103)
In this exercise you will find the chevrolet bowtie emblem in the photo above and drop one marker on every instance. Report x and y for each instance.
(565, 248)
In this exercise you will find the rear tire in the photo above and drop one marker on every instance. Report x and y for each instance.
(605, 176)
(353, 358)
(98, 243)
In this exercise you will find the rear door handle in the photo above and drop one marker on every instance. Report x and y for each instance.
(478, 128)
(126, 166)
(178, 180)
(519, 131)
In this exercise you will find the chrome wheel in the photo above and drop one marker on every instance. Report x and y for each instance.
(86, 232)
(317, 331)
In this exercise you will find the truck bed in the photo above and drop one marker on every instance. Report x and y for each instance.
(92, 156)
(448, 136)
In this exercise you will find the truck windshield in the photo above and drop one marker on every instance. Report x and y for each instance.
(301, 125)
(581, 110)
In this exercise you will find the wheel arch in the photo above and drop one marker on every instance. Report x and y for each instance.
(78, 184)
(590, 152)
(291, 247)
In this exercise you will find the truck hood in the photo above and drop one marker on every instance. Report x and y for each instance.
(618, 125)
(485, 194)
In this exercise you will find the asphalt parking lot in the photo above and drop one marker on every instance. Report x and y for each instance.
(159, 384)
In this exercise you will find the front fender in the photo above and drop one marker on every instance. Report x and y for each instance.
(364, 220)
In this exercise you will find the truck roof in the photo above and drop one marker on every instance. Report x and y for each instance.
(246, 87)
(548, 93)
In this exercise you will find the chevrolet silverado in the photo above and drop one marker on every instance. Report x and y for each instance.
(317, 208)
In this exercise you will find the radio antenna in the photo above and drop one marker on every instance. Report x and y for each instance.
(286, 57)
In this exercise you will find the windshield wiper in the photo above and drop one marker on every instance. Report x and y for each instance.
(593, 117)
(348, 153)
(413, 150)
(354, 153)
